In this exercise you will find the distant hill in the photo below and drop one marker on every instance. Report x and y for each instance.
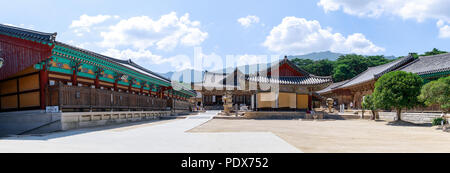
(250, 69)
(318, 56)
(179, 76)
(332, 56)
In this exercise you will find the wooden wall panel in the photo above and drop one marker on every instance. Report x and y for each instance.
(8, 87)
(85, 80)
(29, 83)
(287, 100)
(266, 100)
(302, 101)
(29, 99)
(59, 76)
(9, 102)
(106, 84)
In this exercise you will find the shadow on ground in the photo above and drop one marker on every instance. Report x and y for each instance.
(61, 134)
(405, 123)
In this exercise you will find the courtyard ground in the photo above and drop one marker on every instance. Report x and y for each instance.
(166, 136)
(341, 135)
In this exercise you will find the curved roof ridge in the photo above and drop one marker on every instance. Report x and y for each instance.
(107, 58)
(32, 34)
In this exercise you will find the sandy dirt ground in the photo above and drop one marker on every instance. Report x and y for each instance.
(341, 135)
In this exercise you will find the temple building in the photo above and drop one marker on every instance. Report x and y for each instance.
(430, 67)
(39, 72)
(282, 86)
(354, 90)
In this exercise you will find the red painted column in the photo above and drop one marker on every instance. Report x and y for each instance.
(43, 76)
(310, 101)
(74, 77)
(97, 82)
(129, 87)
(115, 84)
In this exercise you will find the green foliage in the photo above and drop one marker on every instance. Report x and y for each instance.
(377, 60)
(437, 121)
(321, 68)
(397, 89)
(369, 103)
(302, 63)
(433, 52)
(437, 92)
(348, 66)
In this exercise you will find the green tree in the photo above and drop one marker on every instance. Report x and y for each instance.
(348, 66)
(342, 72)
(397, 89)
(437, 92)
(377, 60)
(302, 63)
(369, 104)
(321, 67)
(433, 52)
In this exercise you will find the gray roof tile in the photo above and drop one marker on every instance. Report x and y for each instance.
(376, 72)
(429, 64)
(27, 34)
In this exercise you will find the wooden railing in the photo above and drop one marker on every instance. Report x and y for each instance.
(74, 97)
(182, 105)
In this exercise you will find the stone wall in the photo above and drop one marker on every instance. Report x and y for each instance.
(37, 122)
(418, 118)
(91, 119)
(273, 115)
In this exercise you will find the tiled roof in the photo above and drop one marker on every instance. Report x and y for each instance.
(429, 64)
(218, 80)
(126, 63)
(332, 86)
(375, 72)
(27, 34)
(288, 80)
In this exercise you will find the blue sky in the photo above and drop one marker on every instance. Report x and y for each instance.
(275, 27)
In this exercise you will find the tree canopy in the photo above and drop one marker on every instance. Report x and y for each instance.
(397, 89)
(345, 67)
(350, 65)
(437, 92)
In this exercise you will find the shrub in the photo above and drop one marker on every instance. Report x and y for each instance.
(437, 121)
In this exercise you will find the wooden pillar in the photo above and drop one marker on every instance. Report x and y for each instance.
(43, 82)
(130, 86)
(115, 84)
(310, 100)
(74, 77)
(97, 78)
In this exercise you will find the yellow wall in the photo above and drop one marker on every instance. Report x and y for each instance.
(9, 102)
(302, 101)
(287, 100)
(29, 99)
(29, 83)
(8, 87)
(266, 100)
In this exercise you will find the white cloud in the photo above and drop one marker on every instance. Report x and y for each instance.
(165, 34)
(299, 36)
(249, 20)
(179, 62)
(444, 29)
(84, 23)
(418, 10)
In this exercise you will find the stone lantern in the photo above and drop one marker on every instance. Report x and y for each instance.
(227, 103)
(330, 102)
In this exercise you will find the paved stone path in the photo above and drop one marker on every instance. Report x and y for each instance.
(163, 137)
